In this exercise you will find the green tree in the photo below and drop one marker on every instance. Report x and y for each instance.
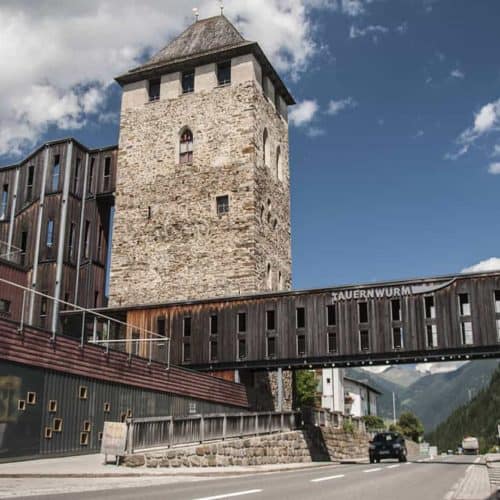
(305, 387)
(410, 426)
(374, 422)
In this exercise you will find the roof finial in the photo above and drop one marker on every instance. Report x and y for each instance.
(196, 13)
(221, 5)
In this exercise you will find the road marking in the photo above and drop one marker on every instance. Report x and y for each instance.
(392, 466)
(230, 495)
(338, 476)
(373, 470)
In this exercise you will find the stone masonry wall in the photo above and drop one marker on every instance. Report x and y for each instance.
(168, 242)
(343, 445)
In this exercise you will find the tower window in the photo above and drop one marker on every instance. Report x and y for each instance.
(56, 172)
(279, 173)
(271, 320)
(50, 233)
(300, 317)
(363, 312)
(29, 182)
(187, 82)
(364, 340)
(224, 73)
(4, 201)
(430, 308)
(331, 315)
(265, 146)
(186, 147)
(242, 322)
(213, 324)
(269, 277)
(154, 89)
(222, 203)
(187, 326)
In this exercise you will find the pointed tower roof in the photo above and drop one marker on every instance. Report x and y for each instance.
(207, 40)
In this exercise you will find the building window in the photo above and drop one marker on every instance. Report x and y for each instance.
(50, 233)
(29, 182)
(90, 183)
(186, 147)
(24, 246)
(242, 348)
(224, 73)
(86, 244)
(396, 310)
(364, 340)
(43, 307)
(56, 172)
(332, 342)
(279, 173)
(186, 352)
(4, 201)
(397, 338)
(186, 329)
(280, 280)
(300, 317)
(76, 176)
(363, 312)
(4, 306)
(161, 326)
(464, 304)
(71, 241)
(497, 301)
(432, 340)
(430, 308)
(222, 203)
(241, 322)
(301, 345)
(271, 347)
(213, 350)
(270, 320)
(188, 82)
(467, 335)
(107, 173)
(154, 89)
(265, 146)
(213, 324)
(331, 315)
(269, 277)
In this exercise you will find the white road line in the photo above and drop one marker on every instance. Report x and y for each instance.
(230, 495)
(318, 479)
(373, 470)
(392, 466)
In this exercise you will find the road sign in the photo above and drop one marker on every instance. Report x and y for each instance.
(114, 439)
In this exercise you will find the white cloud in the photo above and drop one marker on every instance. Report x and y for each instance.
(419, 133)
(335, 107)
(402, 28)
(486, 120)
(496, 150)
(491, 264)
(456, 73)
(372, 30)
(303, 112)
(315, 132)
(57, 59)
(494, 168)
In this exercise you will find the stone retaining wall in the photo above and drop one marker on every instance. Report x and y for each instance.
(342, 445)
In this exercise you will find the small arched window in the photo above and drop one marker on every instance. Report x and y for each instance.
(279, 173)
(186, 146)
(269, 277)
(265, 146)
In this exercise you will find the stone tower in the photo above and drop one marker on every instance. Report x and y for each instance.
(202, 196)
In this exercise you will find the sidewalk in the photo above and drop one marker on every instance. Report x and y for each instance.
(476, 484)
(85, 466)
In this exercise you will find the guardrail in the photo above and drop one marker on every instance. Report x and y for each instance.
(322, 417)
(164, 432)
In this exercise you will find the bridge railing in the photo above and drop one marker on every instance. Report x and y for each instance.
(164, 432)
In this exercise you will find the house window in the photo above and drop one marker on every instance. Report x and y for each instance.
(76, 176)
(363, 312)
(222, 203)
(271, 320)
(432, 340)
(213, 324)
(497, 301)
(56, 172)
(136, 336)
(213, 350)
(301, 345)
(186, 329)
(430, 308)
(332, 342)
(464, 304)
(279, 174)
(107, 173)
(29, 182)
(154, 89)
(242, 348)
(265, 146)
(24, 246)
(91, 176)
(186, 352)
(86, 247)
(50, 233)
(271, 347)
(300, 317)
(397, 338)
(4, 201)
(241, 322)
(331, 315)
(161, 326)
(188, 82)
(224, 73)
(396, 310)
(467, 335)
(186, 147)
(71, 241)
(4, 306)
(364, 340)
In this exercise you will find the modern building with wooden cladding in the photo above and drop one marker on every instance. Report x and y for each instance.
(55, 210)
(402, 321)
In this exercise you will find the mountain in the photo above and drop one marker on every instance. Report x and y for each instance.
(479, 418)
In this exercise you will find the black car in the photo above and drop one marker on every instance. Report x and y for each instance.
(387, 445)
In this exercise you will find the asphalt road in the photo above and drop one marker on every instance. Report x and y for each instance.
(388, 480)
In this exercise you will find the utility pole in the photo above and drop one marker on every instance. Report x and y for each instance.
(393, 408)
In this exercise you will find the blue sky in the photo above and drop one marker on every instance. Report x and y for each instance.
(392, 141)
